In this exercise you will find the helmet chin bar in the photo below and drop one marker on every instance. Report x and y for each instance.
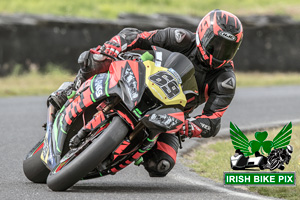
(216, 64)
(211, 63)
(201, 59)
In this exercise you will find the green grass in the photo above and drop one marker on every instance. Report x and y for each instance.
(213, 158)
(36, 83)
(258, 79)
(111, 9)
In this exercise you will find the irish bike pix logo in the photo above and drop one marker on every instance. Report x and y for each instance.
(260, 157)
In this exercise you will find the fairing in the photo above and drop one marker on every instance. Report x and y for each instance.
(127, 80)
(164, 85)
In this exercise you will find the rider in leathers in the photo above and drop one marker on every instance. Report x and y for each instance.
(211, 50)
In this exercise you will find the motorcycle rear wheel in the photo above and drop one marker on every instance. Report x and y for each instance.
(33, 167)
(88, 159)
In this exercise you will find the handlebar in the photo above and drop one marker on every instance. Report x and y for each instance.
(124, 56)
(110, 56)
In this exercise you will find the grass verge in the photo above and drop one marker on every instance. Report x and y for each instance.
(36, 83)
(258, 79)
(111, 9)
(213, 158)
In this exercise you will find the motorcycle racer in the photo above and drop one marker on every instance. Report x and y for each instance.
(211, 50)
(278, 157)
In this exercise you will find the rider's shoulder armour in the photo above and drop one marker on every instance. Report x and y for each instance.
(226, 82)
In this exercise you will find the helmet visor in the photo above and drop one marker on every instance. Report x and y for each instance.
(221, 48)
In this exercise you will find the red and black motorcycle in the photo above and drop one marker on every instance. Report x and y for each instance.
(115, 117)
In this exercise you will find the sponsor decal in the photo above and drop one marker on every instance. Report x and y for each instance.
(205, 126)
(179, 35)
(229, 83)
(260, 154)
(99, 85)
(158, 58)
(227, 36)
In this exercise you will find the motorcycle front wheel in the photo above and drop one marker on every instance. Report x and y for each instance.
(66, 175)
(33, 167)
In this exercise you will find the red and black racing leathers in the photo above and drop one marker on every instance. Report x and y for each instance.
(216, 87)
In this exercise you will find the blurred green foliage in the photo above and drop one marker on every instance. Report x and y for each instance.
(111, 9)
(34, 82)
(22, 83)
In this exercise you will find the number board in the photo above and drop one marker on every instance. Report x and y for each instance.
(166, 82)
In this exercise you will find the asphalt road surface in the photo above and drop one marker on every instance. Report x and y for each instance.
(20, 125)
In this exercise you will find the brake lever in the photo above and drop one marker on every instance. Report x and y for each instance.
(120, 56)
(110, 56)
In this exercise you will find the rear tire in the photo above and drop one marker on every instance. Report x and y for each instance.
(33, 167)
(87, 160)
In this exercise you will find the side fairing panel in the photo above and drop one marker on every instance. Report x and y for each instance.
(99, 86)
(73, 108)
(124, 79)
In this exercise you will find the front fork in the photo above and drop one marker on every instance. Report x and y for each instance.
(50, 116)
(46, 155)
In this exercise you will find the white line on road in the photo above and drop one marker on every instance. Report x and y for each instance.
(218, 189)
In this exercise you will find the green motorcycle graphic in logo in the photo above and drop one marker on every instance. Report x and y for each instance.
(278, 150)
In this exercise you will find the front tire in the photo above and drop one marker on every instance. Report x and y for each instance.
(87, 160)
(33, 167)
